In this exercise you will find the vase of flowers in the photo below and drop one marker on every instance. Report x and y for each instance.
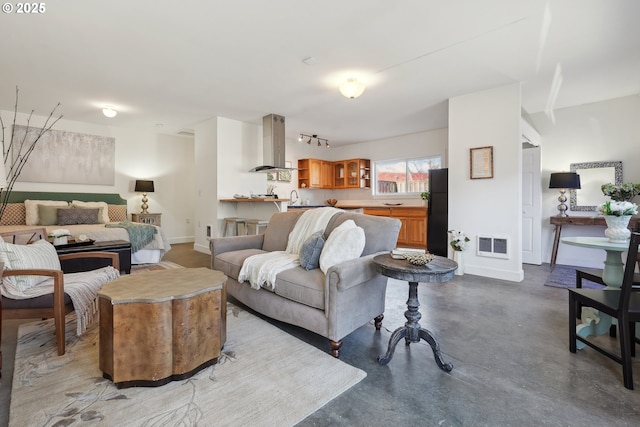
(617, 215)
(621, 193)
(458, 242)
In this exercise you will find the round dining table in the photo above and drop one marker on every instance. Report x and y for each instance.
(593, 322)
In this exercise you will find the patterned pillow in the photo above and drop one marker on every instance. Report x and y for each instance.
(103, 205)
(14, 214)
(31, 207)
(310, 251)
(78, 216)
(39, 255)
(117, 213)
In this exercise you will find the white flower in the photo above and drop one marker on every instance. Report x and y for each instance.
(458, 240)
(59, 232)
(618, 208)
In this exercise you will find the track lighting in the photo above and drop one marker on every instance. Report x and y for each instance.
(319, 140)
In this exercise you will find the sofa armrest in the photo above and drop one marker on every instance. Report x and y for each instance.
(219, 245)
(351, 273)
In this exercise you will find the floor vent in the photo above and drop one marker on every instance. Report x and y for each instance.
(493, 246)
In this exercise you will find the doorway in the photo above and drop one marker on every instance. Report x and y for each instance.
(531, 205)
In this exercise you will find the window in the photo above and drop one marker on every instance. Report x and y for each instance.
(404, 176)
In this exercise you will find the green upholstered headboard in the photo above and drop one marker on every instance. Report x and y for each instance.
(109, 198)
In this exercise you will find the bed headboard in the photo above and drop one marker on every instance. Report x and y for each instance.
(110, 198)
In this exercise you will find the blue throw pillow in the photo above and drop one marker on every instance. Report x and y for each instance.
(311, 250)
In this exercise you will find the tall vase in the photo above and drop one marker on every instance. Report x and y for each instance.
(617, 228)
(458, 257)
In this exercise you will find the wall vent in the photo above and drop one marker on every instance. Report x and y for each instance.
(209, 231)
(493, 246)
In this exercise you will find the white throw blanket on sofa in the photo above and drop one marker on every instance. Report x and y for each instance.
(261, 270)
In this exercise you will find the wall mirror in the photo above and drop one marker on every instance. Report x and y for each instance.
(592, 176)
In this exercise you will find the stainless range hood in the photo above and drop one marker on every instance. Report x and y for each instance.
(273, 145)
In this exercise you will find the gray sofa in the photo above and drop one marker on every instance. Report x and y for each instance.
(350, 295)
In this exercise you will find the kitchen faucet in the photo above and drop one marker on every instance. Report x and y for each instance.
(293, 201)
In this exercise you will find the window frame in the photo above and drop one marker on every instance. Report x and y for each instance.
(374, 175)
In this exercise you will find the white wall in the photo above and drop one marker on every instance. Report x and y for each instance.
(166, 159)
(487, 206)
(601, 131)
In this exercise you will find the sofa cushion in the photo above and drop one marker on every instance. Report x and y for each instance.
(310, 251)
(276, 236)
(381, 233)
(303, 286)
(344, 243)
(230, 263)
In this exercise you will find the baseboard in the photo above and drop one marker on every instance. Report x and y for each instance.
(201, 248)
(185, 239)
(512, 276)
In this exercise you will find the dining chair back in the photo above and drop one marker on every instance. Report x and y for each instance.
(622, 304)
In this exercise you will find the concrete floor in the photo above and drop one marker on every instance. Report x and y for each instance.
(509, 346)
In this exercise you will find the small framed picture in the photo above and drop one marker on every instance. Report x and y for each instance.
(481, 162)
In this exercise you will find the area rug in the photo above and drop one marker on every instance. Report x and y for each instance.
(265, 377)
(162, 265)
(564, 276)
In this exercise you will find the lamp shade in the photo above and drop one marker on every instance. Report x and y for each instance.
(564, 180)
(144, 186)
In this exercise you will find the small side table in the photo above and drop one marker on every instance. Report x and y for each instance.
(439, 270)
(147, 218)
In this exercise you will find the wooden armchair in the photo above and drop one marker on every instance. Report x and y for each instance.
(54, 305)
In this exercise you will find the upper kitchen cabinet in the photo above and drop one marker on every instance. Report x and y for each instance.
(315, 173)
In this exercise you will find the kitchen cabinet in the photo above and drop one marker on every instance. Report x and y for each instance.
(316, 173)
(413, 232)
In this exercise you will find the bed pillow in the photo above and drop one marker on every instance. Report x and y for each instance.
(31, 209)
(310, 251)
(117, 213)
(48, 215)
(104, 218)
(14, 214)
(78, 216)
(39, 255)
(344, 243)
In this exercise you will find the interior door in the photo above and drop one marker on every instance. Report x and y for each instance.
(531, 206)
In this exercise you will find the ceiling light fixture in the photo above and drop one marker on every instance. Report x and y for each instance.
(319, 140)
(109, 111)
(352, 88)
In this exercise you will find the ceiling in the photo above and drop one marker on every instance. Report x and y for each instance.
(179, 63)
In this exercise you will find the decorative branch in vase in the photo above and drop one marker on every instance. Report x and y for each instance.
(21, 148)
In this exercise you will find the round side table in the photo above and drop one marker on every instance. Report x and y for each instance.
(439, 270)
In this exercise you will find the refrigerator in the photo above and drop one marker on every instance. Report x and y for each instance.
(438, 212)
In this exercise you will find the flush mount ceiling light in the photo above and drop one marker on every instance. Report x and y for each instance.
(352, 88)
(320, 140)
(109, 111)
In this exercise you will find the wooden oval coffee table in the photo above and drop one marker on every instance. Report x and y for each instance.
(439, 270)
(161, 326)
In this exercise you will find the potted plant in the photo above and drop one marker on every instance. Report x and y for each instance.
(617, 211)
(60, 236)
(458, 242)
(424, 195)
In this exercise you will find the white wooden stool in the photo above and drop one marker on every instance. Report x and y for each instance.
(256, 225)
(232, 226)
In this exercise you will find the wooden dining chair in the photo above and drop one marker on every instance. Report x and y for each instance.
(622, 304)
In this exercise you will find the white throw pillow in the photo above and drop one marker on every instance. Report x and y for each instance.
(103, 205)
(31, 209)
(39, 255)
(344, 243)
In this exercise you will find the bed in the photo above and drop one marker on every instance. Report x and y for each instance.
(25, 210)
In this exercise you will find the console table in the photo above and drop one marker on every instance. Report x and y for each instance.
(559, 221)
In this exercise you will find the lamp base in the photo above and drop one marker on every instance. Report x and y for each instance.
(144, 206)
(562, 207)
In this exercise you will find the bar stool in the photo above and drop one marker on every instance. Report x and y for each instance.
(233, 224)
(256, 225)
